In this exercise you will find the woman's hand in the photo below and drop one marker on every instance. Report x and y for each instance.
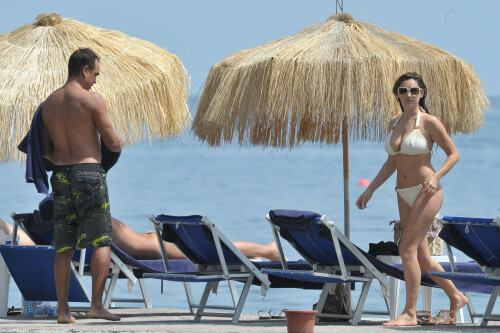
(363, 199)
(431, 185)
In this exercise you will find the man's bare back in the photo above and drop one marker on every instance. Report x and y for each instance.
(74, 121)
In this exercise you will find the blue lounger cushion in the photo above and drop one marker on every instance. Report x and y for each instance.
(32, 268)
(470, 278)
(480, 244)
(278, 281)
(307, 276)
(396, 270)
(141, 266)
(197, 243)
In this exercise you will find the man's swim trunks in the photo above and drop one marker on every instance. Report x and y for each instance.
(82, 216)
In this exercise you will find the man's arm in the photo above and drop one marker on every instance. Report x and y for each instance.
(109, 136)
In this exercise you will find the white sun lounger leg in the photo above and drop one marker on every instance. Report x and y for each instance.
(189, 296)
(361, 302)
(489, 308)
(145, 295)
(203, 301)
(241, 302)
(327, 289)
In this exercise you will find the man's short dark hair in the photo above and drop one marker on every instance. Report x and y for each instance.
(79, 59)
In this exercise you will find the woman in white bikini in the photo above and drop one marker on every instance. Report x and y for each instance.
(409, 142)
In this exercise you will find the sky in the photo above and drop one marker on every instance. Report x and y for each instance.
(203, 33)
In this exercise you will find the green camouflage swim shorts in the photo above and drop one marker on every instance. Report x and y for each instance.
(82, 217)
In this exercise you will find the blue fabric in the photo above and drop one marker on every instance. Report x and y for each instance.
(312, 239)
(194, 239)
(396, 270)
(33, 145)
(301, 275)
(298, 220)
(142, 266)
(478, 238)
(32, 268)
(482, 279)
(37, 229)
(46, 209)
(284, 282)
(196, 242)
(188, 277)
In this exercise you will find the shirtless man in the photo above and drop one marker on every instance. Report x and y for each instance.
(75, 120)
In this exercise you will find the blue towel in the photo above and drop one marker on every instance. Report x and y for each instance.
(33, 145)
(141, 266)
(298, 220)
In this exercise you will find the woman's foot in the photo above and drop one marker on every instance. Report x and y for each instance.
(456, 304)
(403, 320)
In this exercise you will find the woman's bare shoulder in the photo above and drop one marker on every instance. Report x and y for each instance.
(431, 121)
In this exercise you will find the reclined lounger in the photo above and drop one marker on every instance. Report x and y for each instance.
(213, 255)
(479, 238)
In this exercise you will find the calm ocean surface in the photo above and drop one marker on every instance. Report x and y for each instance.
(236, 186)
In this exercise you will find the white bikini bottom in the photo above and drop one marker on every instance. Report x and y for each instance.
(410, 194)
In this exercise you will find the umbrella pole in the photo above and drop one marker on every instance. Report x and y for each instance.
(345, 151)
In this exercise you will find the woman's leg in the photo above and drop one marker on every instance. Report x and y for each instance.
(415, 222)
(427, 264)
(141, 246)
(9, 229)
(253, 250)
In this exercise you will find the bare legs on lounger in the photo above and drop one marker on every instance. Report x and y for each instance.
(145, 245)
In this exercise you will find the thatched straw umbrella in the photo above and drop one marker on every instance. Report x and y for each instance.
(144, 86)
(330, 81)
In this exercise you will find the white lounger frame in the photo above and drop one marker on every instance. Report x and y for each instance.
(368, 269)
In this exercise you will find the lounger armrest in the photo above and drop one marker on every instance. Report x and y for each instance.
(156, 225)
(274, 230)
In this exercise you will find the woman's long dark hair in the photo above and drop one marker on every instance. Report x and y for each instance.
(421, 84)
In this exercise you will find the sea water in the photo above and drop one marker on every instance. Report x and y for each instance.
(237, 186)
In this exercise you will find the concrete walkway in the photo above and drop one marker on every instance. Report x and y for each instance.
(168, 320)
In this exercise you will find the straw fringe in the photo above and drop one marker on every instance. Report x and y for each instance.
(303, 88)
(144, 86)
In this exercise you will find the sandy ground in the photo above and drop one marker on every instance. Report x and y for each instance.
(168, 320)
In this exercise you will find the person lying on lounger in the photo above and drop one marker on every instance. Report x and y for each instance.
(8, 229)
(145, 245)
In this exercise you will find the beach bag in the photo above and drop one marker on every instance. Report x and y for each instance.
(435, 243)
(337, 303)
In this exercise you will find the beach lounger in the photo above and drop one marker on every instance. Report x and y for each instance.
(32, 268)
(317, 239)
(332, 257)
(215, 258)
(40, 231)
(479, 238)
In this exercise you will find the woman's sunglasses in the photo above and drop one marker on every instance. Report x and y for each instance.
(414, 91)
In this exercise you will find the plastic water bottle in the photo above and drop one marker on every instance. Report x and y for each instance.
(30, 308)
(44, 308)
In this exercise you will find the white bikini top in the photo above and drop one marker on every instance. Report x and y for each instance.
(414, 144)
